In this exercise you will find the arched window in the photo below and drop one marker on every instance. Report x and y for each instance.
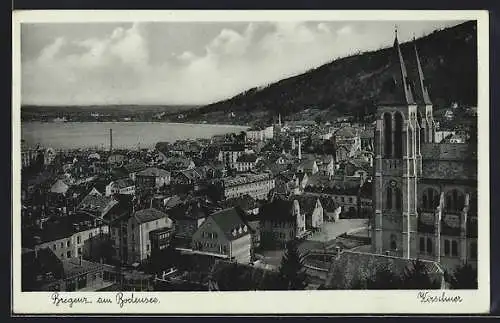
(410, 142)
(387, 135)
(446, 247)
(429, 246)
(422, 125)
(389, 198)
(430, 199)
(394, 245)
(454, 248)
(455, 201)
(398, 135)
(422, 245)
(398, 199)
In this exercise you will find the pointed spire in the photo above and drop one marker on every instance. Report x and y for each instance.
(421, 79)
(397, 89)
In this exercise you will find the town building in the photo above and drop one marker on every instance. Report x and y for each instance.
(69, 237)
(225, 233)
(229, 153)
(280, 222)
(125, 186)
(187, 217)
(246, 162)
(151, 179)
(425, 193)
(257, 186)
(130, 234)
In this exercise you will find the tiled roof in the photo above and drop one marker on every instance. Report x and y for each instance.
(153, 171)
(124, 182)
(188, 210)
(96, 203)
(277, 209)
(59, 187)
(75, 267)
(347, 132)
(351, 265)
(261, 278)
(230, 221)
(135, 166)
(58, 228)
(245, 202)
(448, 151)
(442, 169)
(327, 202)
(247, 158)
(148, 215)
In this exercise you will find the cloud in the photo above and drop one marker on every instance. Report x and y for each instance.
(117, 68)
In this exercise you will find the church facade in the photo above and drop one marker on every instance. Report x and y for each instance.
(424, 192)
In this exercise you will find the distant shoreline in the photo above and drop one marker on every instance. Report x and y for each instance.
(166, 122)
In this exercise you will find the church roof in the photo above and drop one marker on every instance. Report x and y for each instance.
(416, 75)
(396, 90)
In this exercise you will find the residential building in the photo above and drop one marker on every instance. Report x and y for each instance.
(151, 178)
(130, 234)
(257, 186)
(187, 217)
(69, 237)
(311, 207)
(125, 186)
(280, 222)
(226, 234)
(230, 152)
(246, 162)
(97, 205)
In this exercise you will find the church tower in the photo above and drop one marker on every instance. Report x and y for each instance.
(396, 162)
(426, 130)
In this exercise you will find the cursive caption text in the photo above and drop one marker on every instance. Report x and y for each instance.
(121, 299)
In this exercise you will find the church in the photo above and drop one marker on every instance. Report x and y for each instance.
(424, 192)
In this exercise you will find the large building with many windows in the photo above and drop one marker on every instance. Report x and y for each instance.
(424, 192)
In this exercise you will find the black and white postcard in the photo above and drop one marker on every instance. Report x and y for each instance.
(258, 162)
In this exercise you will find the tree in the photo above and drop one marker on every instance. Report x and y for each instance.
(235, 277)
(464, 277)
(384, 278)
(417, 277)
(292, 272)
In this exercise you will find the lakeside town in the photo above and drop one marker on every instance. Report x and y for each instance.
(383, 203)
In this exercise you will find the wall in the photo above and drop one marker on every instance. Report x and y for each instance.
(61, 247)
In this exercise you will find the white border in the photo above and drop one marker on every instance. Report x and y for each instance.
(266, 302)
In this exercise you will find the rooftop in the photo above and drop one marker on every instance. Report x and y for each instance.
(148, 215)
(230, 221)
(153, 172)
(350, 265)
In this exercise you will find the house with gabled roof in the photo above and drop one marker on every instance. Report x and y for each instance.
(130, 234)
(281, 221)
(225, 234)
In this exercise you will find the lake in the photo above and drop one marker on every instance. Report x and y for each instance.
(69, 135)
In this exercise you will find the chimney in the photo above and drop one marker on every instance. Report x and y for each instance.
(110, 140)
(300, 149)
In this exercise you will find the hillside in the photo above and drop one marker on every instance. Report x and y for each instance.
(349, 86)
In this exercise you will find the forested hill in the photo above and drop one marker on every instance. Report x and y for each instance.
(349, 86)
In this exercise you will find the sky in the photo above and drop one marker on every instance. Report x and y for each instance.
(186, 62)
